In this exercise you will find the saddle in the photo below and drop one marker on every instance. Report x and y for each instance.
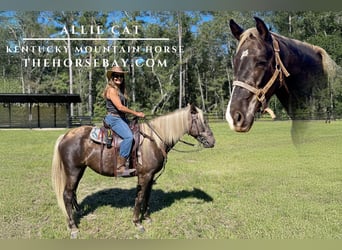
(107, 137)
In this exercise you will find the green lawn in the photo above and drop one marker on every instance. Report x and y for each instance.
(256, 185)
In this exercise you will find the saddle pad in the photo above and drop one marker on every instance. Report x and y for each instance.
(97, 135)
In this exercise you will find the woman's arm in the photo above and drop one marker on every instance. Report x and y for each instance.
(113, 95)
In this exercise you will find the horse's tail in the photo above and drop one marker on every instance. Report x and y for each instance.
(58, 176)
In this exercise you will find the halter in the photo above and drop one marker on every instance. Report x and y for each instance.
(260, 93)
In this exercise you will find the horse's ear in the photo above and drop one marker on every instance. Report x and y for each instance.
(262, 29)
(236, 29)
(193, 109)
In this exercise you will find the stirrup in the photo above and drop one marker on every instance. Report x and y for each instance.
(126, 173)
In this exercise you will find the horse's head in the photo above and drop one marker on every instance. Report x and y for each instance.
(255, 72)
(199, 128)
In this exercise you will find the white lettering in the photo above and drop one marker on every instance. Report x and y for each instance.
(64, 30)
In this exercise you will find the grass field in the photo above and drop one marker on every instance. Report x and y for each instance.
(250, 186)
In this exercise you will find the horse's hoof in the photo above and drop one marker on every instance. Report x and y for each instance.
(148, 220)
(73, 233)
(140, 227)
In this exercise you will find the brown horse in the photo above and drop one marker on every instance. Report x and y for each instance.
(75, 151)
(265, 64)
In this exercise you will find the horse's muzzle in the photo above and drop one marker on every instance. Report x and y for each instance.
(207, 140)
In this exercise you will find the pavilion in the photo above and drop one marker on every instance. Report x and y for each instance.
(36, 110)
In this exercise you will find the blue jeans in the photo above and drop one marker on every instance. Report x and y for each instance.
(121, 128)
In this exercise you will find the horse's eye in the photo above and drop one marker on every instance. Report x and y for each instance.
(261, 64)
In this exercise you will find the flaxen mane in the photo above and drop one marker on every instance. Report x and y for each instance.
(171, 126)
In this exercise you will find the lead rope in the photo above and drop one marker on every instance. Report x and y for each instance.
(282, 70)
(189, 144)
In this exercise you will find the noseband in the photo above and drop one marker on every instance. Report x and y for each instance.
(260, 93)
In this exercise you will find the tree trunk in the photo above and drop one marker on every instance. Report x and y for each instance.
(180, 60)
(70, 75)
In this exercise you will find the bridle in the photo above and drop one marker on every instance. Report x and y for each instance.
(194, 126)
(194, 118)
(195, 129)
(260, 93)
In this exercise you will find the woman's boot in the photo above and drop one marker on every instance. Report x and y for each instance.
(121, 169)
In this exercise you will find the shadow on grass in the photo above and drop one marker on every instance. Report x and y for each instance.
(120, 198)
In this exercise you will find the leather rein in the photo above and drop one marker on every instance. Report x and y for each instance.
(193, 119)
(260, 93)
(168, 147)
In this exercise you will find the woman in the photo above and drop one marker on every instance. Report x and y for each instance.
(116, 105)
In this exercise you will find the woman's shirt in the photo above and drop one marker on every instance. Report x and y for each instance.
(111, 108)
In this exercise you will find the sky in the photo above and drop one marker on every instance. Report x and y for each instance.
(113, 17)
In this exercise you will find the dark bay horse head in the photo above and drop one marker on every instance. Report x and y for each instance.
(254, 74)
(266, 64)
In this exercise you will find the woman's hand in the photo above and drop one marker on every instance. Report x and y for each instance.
(140, 114)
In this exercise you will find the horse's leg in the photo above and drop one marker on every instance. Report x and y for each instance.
(145, 206)
(70, 198)
(142, 189)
